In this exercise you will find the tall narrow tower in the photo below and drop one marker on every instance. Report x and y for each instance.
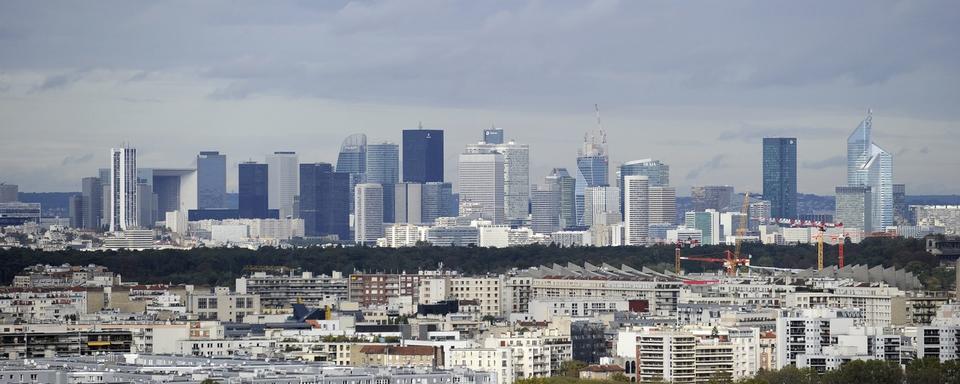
(123, 188)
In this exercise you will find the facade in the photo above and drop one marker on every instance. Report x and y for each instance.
(870, 165)
(91, 196)
(280, 290)
(323, 201)
(369, 213)
(436, 200)
(422, 155)
(253, 189)
(853, 207)
(566, 185)
(402, 235)
(946, 216)
(221, 304)
(8, 193)
(283, 182)
(599, 202)
(516, 177)
(780, 175)
(663, 205)
(716, 197)
(408, 203)
(545, 208)
(901, 211)
(457, 236)
(708, 223)
(636, 215)
(352, 159)
(123, 189)
(481, 182)
(378, 288)
(383, 167)
(656, 171)
(211, 180)
(493, 136)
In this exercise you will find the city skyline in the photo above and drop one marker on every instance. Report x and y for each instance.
(705, 120)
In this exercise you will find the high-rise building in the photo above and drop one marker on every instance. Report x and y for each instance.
(853, 207)
(76, 210)
(663, 205)
(716, 197)
(708, 222)
(353, 160)
(870, 165)
(780, 175)
(516, 178)
(567, 186)
(323, 201)
(408, 203)
(254, 191)
(901, 211)
(211, 180)
(91, 200)
(636, 215)
(481, 182)
(383, 167)
(123, 189)
(422, 155)
(545, 208)
(493, 136)
(369, 213)
(593, 166)
(8, 193)
(656, 172)
(600, 202)
(436, 201)
(284, 181)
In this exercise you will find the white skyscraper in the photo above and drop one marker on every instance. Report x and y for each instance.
(123, 189)
(599, 202)
(516, 178)
(870, 165)
(369, 212)
(636, 209)
(663, 205)
(481, 179)
(283, 181)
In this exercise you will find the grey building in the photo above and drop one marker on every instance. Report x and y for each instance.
(383, 167)
(493, 136)
(92, 201)
(716, 197)
(323, 201)
(853, 207)
(352, 159)
(545, 208)
(656, 172)
(567, 190)
(8, 193)
(211, 180)
(780, 175)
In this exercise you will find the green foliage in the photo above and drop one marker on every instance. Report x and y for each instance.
(571, 368)
(220, 266)
(619, 377)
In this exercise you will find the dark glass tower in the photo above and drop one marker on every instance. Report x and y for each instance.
(253, 191)
(780, 176)
(211, 180)
(324, 205)
(422, 155)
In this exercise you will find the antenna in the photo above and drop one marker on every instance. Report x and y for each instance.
(603, 135)
(420, 124)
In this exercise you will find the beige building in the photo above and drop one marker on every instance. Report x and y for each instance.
(485, 290)
(221, 304)
(395, 356)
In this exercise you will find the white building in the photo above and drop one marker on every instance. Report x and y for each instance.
(481, 181)
(402, 235)
(368, 223)
(516, 176)
(571, 238)
(636, 209)
(663, 205)
(228, 233)
(283, 181)
(598, 202)
(123, 189)
(546, 308)
(499, 360)
(685, 235)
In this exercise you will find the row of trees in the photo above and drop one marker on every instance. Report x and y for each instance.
(222, 265)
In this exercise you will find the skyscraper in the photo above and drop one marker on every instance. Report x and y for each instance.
(323, 201)
(593, 166)
(254, 190)
(636, 217)
(853, 207)
(123, 189)
(716, 197)
(422, 155)
(657, 173)
(567, 186)
(516, 178)
(545, 208)
(870, 165)
(481, 182)
(92, 198)
(598, 202)
(211, 180)
(8, 192)
(383, 167)
(663, 205)
(408, 203)
(353, 160)
(493, 136)
(435, 201)
(780, 175)
(708, 222)
(369, 213)
(901, 211)
(284, 181)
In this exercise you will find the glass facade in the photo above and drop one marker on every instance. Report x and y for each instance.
(252, 184)
(656, 172)
(780, 176)
(567, 186)
(323, 201)
(422, 155)
(870, 165)
(211, 180)
(383, 167)
(353, 160)
(592, 171)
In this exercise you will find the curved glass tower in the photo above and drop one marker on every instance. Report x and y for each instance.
(870, 165)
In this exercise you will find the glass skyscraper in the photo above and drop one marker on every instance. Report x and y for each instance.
(657, 173)
(780, 176)
(383, 167)
(323, 201)
(353, 160)
(870, 165)
(211, 180)
(567, 186)
(422, 155)
(252, 185)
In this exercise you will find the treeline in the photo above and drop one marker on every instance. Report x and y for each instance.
(223, 265)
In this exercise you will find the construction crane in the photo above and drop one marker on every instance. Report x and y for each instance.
(730, 262)
(742, 229)
(677, 255)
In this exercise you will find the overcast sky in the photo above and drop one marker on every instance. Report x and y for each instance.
(694, 84)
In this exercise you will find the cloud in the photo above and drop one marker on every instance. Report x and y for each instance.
(830, 162)
(75, 160)
(752, 133)
(717, 162)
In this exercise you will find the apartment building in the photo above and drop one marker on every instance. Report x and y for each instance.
(485, 290)
(221, 304)
(279, 290)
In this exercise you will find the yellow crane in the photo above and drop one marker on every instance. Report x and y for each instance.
(742, 229)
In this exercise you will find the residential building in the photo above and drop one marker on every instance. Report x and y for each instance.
(280, 289)
(123, 189)
(221, 304)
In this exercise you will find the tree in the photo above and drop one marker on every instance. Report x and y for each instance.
(571, 368)
(924, 371)
(620, 377)
(209, 381)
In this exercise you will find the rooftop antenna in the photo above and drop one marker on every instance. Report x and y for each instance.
(420, 124)
(603, 135)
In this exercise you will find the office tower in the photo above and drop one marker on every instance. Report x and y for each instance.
(106, 197)
(901, 211)
(599, 202)
(780, 175)
(353, 160)
(435, 201)
(254, 190)
(481, 182)
(123, 189)
(408, 203)
(545, 208)
(493, 136)
(593, 167)
(323, 201)
(716, 197)
(146, 203)
(708, 222)
(758, 213)
(211, 180)
(369, 213)
(567, 186)
(871, 166)
(516, 178)
(422, 155)
(173, 189)
(75, 210)
(656, 171)
(284, 182)
(853, 207)
(636, 215)
(8, 193)
(383, 167)
(91, 200)
(663, 205)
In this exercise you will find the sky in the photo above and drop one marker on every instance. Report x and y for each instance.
(694, 84)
